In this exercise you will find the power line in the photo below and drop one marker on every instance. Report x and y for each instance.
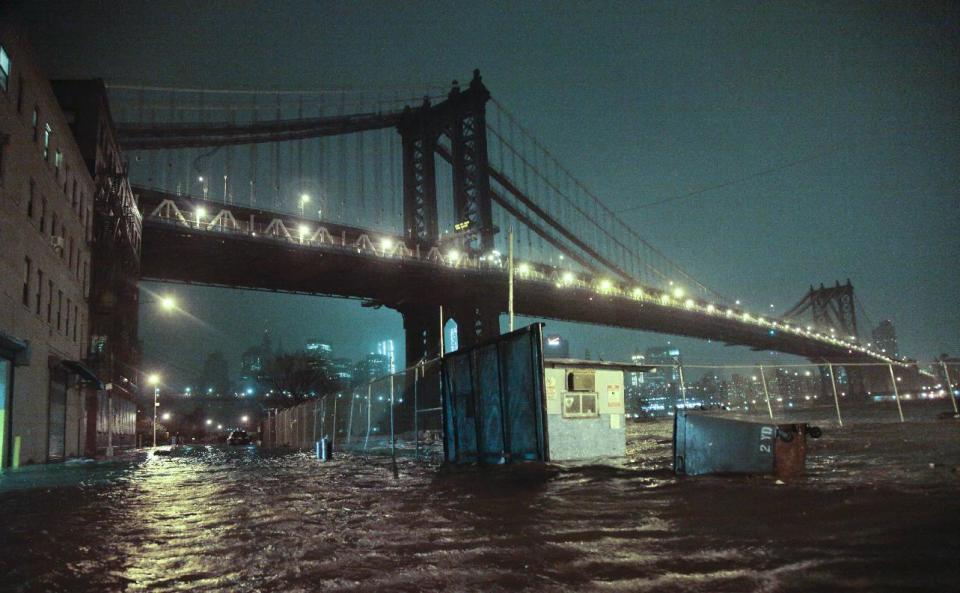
(728, 183)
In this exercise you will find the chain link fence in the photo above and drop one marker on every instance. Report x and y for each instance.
(397, 414)
(401, 414)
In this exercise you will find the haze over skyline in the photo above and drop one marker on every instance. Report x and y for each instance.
(763, 148)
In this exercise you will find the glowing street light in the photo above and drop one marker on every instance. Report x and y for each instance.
(304, 199)
(605, 285)
(304, 231)
(244, 419)
(453, 256)
(568, 278)
(201, 212)
(523, 268)
(386, 244)
(168, 303)
(209, 422)
(219, 427)
(166, 416)
(678, 292)
(154, 379)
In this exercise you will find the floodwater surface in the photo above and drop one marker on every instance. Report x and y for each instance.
(879, 510)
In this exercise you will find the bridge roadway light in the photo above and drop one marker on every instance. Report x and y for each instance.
(201, 212)
(304, 230)
(678, 292)
(304, 198)
(453, 256)
(605, 285)
(524, 268)
(386, 244)
(568, 278)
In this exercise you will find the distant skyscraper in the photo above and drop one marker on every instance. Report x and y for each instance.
(885, 338)
(385, 348)
(314, 347)
(636, 379)
(556, 347)
(666, 359)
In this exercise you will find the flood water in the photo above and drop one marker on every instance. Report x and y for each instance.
(879, 510)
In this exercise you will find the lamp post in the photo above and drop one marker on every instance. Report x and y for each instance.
(304, 198)
(154, 379)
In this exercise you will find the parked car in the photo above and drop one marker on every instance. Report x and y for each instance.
(238, 437)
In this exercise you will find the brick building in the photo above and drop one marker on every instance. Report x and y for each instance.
(51, 186)
(46, 201)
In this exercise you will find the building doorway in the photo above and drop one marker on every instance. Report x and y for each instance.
(57, 425)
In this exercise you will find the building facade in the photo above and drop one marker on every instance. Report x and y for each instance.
(46, 211)
(114, 235)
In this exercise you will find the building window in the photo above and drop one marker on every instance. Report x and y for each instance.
(20, 94)
(70, 256)
(43, 215)
(53, 224)
(27, 271)
(49, 301)
(57, 160)
(86, 289)
(32, 188)
(73, 198)
(47, 132)
(4, 68)
(36, 123)
(39, 290)
(76, 318)
(66, 329)
(59, 309)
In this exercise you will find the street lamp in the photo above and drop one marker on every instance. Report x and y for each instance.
(209, 422)
(244, 419)
(168, 303)
(154, 379)
(304, 198)
(166, 416)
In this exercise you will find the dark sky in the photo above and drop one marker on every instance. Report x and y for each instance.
(850, 110)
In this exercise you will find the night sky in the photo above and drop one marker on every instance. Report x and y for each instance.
(764, 147)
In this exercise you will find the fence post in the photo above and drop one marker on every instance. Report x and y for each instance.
(683, 387)
(333, 433)
(393, 432)
(836, 400)
(766, 394)
(946, 376)
(416, 410)
(353, 397)
(896, 392)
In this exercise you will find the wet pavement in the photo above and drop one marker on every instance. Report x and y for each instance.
(878, 511)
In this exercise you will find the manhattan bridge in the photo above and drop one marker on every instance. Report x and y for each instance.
(409, 201)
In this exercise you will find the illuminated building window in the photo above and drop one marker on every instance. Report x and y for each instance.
(4, 68)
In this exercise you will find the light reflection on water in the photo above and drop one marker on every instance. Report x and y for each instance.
(871, 515)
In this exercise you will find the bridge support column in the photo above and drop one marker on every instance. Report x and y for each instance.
(471, 178)
(419, 137)
(421, 325)
(475, 324)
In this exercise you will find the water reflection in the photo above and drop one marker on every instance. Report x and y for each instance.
(871, 515)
